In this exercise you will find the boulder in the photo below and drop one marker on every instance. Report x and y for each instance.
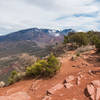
(93, 90)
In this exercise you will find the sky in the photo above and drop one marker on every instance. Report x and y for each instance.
(80, 15)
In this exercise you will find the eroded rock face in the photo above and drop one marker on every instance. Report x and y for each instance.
(16, 96)
(94, 90)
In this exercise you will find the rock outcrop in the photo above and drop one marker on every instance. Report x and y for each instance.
(93, 90)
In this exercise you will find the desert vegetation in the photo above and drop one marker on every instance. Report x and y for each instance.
(14, 77)
(44, 68)
(83, 39)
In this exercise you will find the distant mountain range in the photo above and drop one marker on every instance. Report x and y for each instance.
(34, 34)
(31, 40)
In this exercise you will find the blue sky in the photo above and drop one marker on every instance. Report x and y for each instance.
(80, 15)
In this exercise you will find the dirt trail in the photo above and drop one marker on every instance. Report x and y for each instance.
(36, 89)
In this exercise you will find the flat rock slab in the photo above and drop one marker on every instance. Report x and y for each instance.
(68, 85)
(69, 79)
(55, 88)
(16, 96)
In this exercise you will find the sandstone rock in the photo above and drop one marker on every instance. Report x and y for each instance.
(2, 84)
(55, 88)
(98, 94)
(68, 85)
(96, 83)
(94, 90)
(91, 91)
(69, 79)
(78, 79)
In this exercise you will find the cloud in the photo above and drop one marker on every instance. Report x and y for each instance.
(56, 14)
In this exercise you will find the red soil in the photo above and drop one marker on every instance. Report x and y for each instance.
(36, 89)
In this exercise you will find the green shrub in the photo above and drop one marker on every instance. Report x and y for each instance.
(93, 38)
(66, 39)
(37, 69)
(97, 44)
(53, 65)
(14, 77)
(79, 38)
(84, 38)
(44, 68)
